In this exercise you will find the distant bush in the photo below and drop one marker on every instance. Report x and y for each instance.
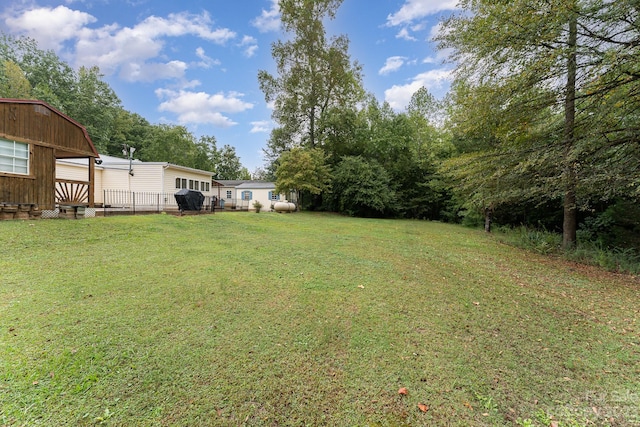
(623, 260)
(540, 241)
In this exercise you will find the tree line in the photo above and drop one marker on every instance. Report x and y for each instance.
(27, 72)
(541, 125)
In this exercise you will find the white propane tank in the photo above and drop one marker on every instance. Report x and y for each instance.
(284, 207)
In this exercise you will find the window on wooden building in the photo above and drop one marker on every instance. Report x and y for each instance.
(14, 157)
(178, 183)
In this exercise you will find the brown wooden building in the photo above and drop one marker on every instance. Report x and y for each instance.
(32, 136)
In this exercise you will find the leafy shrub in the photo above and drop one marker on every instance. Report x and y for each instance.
(361, 188)
(613, 259)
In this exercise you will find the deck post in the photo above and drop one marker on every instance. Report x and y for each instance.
(92, 174)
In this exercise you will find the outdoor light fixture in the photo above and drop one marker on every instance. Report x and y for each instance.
(128, 150)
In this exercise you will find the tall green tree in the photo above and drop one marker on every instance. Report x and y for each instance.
(13, 83)
(168, 143)
(95, 105)
(362, 187)
(545, 61)
(313, 75)
(128, 128)
(82, 95)
(302, 170)
(229, 165)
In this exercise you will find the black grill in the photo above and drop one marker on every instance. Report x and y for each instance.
(189, 200)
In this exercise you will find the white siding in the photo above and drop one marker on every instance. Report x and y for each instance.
(147, 177)
(171, 173)
(257, 194)
(72, 171)
(116, 179)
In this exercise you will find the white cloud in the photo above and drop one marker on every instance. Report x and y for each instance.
(269, 20)
(398, 96)
(205, 61)
(404, 34)
(51, 27)
(128, 48)
(393, 63)
(180, 24)
(201, 107)
(252, 46)
(248, 40)
(250, 51)
(152, 71)
(412, 10)
(190, 84)
(260, 127)
(114, 48)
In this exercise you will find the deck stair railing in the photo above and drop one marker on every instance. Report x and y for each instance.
(72, 192)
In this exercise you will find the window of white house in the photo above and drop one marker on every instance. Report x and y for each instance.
(273, 196)
(204, 186)
(14, 157)
(196, 185)
(246, 195)
(190, 184)
(184, 183)
(178, 181)
(228, 194)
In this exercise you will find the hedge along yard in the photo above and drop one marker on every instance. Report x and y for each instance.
(306, 319)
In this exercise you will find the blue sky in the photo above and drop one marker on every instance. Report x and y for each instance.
(195, 63)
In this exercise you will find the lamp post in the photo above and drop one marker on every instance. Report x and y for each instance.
(128, 151)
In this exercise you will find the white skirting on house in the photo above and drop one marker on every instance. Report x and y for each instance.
(55, 213)
(48, 213)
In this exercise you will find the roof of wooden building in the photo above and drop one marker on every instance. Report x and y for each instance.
(37, 122)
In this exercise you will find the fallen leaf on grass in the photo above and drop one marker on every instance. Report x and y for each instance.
(361, 286)
(423, 407)
(468, 405)
(403, 391)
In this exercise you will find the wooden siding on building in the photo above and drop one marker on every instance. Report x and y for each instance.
(50, 135)
(36, 188)
(36, 123)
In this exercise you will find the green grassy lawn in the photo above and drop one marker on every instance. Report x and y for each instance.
(306, 319)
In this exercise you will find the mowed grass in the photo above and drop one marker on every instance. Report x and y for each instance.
(305, 319)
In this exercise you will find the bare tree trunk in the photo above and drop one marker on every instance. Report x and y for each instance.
(488, 217)
(570, 223)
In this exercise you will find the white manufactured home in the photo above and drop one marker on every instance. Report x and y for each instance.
(242, 194)
(153, 183)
